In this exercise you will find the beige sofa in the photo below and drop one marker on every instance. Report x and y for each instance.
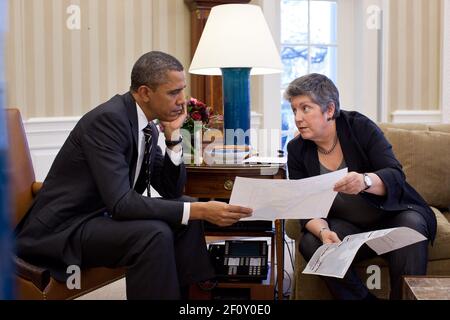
(424, 151)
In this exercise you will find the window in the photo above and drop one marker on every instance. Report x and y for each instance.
(308, 44)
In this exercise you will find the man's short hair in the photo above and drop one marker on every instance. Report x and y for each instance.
(319, 88)
(151, 69)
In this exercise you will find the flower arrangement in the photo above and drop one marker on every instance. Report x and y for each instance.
(197, 111)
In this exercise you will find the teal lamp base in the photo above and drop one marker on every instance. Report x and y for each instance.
(236, 100)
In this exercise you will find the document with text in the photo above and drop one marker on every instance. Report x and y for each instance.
(287, 199)
(334, 259)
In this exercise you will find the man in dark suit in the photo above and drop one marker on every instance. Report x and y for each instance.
(91, 212)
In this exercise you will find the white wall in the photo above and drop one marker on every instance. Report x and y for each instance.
(413, 52)
(358, 45)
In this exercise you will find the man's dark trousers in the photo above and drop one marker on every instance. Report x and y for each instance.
(160, 259)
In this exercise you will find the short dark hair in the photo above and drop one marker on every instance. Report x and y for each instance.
(318, 87)
(151, 69)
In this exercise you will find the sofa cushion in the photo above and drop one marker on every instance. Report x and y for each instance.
(425, 157)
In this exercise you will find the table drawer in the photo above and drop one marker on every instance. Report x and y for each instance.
(213, 185)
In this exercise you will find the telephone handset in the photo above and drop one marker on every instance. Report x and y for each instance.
(240, 260)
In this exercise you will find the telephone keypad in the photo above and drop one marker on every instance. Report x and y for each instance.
(234, 261)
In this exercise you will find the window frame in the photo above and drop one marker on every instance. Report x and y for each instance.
(310, 45)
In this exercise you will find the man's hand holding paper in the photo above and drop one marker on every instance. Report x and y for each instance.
(287, 199)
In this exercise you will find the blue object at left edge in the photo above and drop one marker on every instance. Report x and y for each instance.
(6, 268)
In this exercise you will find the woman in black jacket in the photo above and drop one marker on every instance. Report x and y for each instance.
(373, 195)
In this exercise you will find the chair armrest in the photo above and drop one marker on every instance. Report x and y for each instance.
(35, 187)
(293, 229)
(40, 277)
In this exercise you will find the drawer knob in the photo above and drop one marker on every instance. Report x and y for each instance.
(228, 185)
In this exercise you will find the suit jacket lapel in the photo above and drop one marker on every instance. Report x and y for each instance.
(347, 142)
(130, 106)
(311, 158)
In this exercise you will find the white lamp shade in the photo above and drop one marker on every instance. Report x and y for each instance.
(236, 36)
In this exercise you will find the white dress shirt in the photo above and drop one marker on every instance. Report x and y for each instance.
(175, 157)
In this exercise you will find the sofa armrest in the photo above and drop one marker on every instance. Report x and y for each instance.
(40, 277)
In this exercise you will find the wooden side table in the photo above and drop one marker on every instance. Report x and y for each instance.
(426, 288)
(217, 181)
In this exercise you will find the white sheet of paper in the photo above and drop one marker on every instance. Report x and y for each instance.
(279, 160)
(333, 260)
(287, 199)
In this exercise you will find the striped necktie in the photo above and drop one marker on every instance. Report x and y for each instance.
(145, 168)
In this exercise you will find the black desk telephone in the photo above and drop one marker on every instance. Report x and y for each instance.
(240, 260)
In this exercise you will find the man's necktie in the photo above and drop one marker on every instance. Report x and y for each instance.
(145, 168)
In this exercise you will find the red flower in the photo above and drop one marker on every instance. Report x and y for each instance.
(196, 116)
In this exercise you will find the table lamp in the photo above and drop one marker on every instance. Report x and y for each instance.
(236, 43)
